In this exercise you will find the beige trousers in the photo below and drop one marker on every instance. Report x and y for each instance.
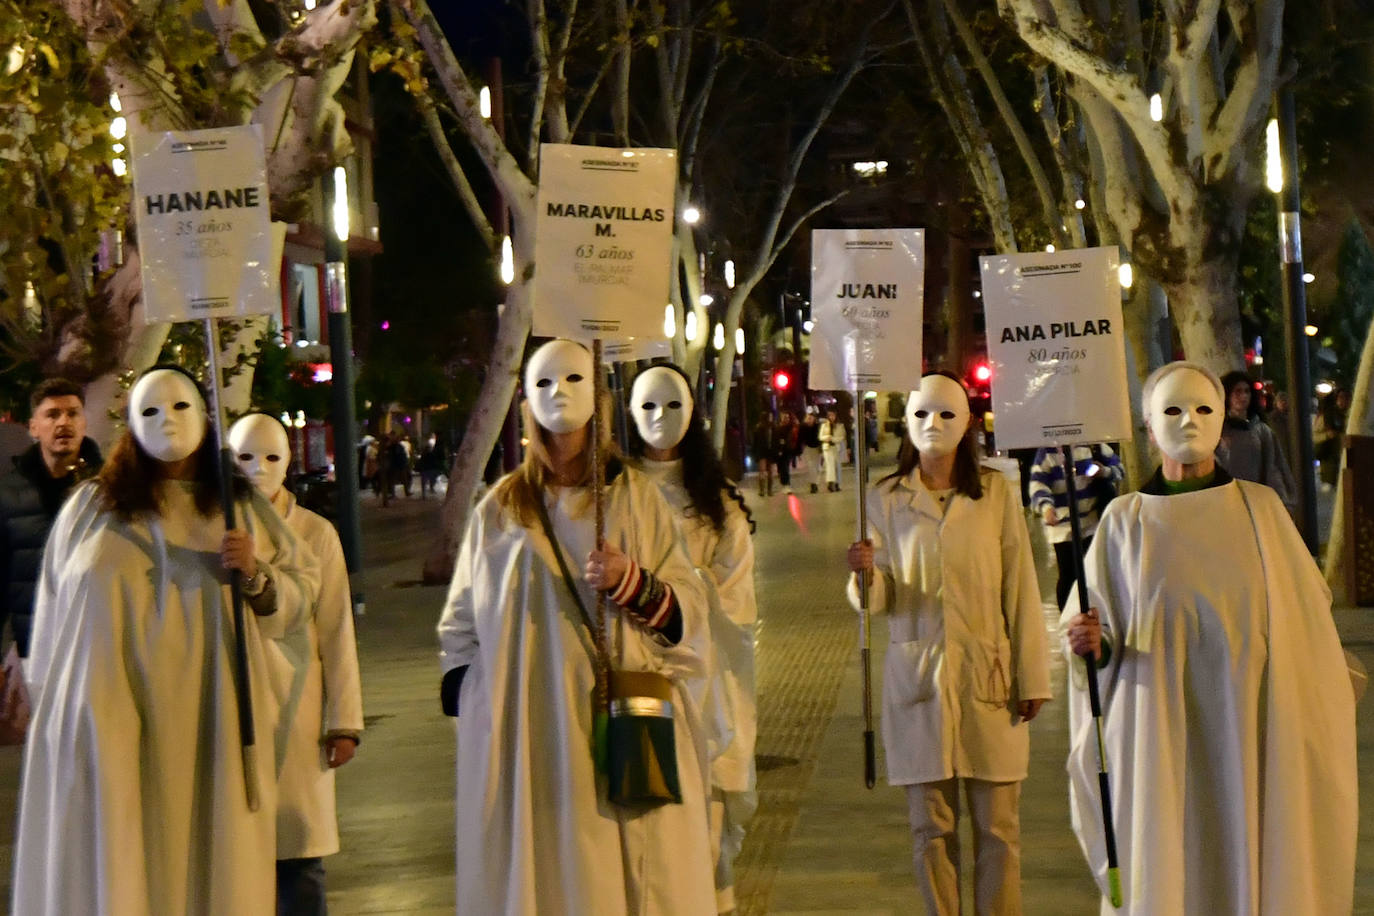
(934, 813)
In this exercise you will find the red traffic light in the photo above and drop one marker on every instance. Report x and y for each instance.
(781, 380)
(982, 373)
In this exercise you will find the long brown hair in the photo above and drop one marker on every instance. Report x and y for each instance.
(517, 492)
(968, 472)
(127, 482)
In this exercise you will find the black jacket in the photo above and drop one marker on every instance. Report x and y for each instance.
(29, 501)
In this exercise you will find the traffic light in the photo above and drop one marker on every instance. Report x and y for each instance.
(980, 388)
(782, 380)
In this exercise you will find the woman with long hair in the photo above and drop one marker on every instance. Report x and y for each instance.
(672, 448)
(133, 797)
(949, 560)
(522, 650)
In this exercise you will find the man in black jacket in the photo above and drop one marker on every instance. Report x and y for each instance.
(33, 492)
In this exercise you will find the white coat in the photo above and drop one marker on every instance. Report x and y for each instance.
(830, 438)
(536, 833)
(725, 558)
(1228, 715)
(133, 792)
(314, 676)
(967, 637)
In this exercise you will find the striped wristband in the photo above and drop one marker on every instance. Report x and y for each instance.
(642, 594)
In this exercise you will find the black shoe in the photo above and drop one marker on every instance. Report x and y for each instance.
(815, 489)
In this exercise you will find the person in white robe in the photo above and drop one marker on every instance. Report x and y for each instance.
(967, 666)
(133, 798)
(831, 437)
(536, 832)
(315, 681)
(1228, 717)
(676, 453)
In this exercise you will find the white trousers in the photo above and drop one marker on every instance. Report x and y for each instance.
(830, 459)
(934, 811)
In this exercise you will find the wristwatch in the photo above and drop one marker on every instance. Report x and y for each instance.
(255, 584)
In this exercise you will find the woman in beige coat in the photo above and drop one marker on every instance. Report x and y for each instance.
(968, 662)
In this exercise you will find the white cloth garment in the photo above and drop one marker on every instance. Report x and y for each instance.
(968, 639)
(830, 450)
(1228, 716)
(314, 676)
(536, 833)
(133, 795)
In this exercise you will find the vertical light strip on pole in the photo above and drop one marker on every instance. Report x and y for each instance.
(1284, 134)
(341, 359)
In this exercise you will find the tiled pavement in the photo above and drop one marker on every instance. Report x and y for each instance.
(821, 842)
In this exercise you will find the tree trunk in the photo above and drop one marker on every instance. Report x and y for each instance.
(489, 413)
(1142, 315)
(1207, 314)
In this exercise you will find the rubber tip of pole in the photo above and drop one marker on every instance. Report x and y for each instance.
(870, 761)
(1114, 885)
(250, 776)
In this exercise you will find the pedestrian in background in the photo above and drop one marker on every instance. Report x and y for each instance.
(675, 452)
(1248, 449)
(1328, 434)
(809, 446)
(763, 452)
(968, 663)
(537, 830)
(830, 436)
(34, 490)
(785, 438)
(1097, 476)
(133, 793)
(314, 675)
(431, 465)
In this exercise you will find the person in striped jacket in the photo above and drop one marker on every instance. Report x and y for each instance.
(1097, 476)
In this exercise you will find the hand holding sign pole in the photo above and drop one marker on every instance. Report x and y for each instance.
(867, 290)
(206, 242)
(1054, 335)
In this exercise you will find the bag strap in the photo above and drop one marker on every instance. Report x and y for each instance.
(600, 657)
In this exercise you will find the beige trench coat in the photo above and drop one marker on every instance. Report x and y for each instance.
(967, 635)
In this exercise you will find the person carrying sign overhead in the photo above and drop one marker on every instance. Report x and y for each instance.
(1228, 715)
(968, 663)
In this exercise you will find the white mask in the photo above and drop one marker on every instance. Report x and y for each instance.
(262, 451)
(1186, 415)
(167, 415)
(661, 404)
(558, 385)
(937, 416)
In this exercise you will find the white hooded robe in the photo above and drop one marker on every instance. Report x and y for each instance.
(314, 675)
(133, 797)
(1228, 715)
(535, 831)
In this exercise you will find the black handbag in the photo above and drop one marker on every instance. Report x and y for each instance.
(635, 744)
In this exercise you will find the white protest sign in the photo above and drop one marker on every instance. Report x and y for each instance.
(203, 216)
(1057, 348)
(603, 241)
(867, 290)
(629, 349)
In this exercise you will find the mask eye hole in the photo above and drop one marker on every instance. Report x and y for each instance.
(1204, 409)
(1173, 411)
(274, 457)
(543, 383)
(922, 414)
(575, 377)
(675, 405)
(947, 415)
(150, 411)
(649, 405)
(182, 405)
(246, 456)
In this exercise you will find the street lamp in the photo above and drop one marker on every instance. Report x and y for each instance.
(484, 102)
(335, 194)
(689, 328)
(729, 274)
(507, 261)
(669, 321)
(739, 341)
(691, 215)
(1282, 177)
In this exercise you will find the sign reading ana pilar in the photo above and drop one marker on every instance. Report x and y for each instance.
(1057, 347)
